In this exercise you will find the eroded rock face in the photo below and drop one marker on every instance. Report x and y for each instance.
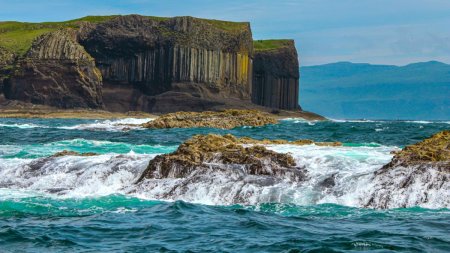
(227, 119)
(276, 77)
(57, 71)
(417, 175)
(153, 55)
(6, 60)
(205, 152)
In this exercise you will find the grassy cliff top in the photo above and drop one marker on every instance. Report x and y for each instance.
(17, 37)
(264, 45)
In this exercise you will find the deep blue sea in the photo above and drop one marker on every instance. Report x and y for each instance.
(89, 204)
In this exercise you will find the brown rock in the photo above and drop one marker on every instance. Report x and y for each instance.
(225, 119)
(72, 153)
(432, 151)
(204, 151)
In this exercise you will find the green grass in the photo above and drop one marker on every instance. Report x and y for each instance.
(262, 45)
(227, 25)
(20, 41)
(17, 37)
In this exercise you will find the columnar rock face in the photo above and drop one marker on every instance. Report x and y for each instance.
(139, 63)
(151, 54)
(276, 75)
(56, 71)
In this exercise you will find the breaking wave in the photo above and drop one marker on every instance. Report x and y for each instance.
(336, 175)
(81, 146)
(99, 125)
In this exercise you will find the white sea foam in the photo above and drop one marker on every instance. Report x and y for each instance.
(111, 125)
(73, 176)
(23, 126)
(301, 120)
(340, 175)
(103, 125)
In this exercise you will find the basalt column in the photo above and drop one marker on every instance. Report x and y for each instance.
(156, 55)
(276, 75)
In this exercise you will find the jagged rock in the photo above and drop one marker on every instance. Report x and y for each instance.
(276, 74)
(226, 119)
(417, 175)
(213, 151)
(72, 153)
(56, 71)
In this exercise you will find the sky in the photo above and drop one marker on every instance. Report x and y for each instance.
(395, 32)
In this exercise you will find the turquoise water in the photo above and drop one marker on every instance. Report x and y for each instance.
(86, 205)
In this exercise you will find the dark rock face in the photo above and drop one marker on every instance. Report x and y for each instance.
(6, 59)
(57, 71)
(276, 77)
(152, 56)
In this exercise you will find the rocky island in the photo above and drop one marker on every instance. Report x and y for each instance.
(149, 64)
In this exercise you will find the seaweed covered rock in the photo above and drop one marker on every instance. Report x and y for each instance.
(227, 119)
(72, 153)
(213, 151)
(434, 151)
(247, 140)
(418, 175)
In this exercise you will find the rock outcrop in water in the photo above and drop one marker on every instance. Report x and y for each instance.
(138, 63)
(206, 152)
(417, 175)
(227, 119)
(72, 153)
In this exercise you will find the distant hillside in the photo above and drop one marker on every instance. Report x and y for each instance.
(349, 90)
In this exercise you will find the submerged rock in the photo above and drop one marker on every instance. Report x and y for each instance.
(227, 119)
(418, 175)
(72, 153)
(247, 140)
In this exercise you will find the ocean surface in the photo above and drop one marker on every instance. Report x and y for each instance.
(91, 204)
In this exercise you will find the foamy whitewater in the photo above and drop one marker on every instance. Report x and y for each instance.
(91, 203)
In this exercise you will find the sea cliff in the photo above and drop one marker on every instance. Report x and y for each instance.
(151, 64)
